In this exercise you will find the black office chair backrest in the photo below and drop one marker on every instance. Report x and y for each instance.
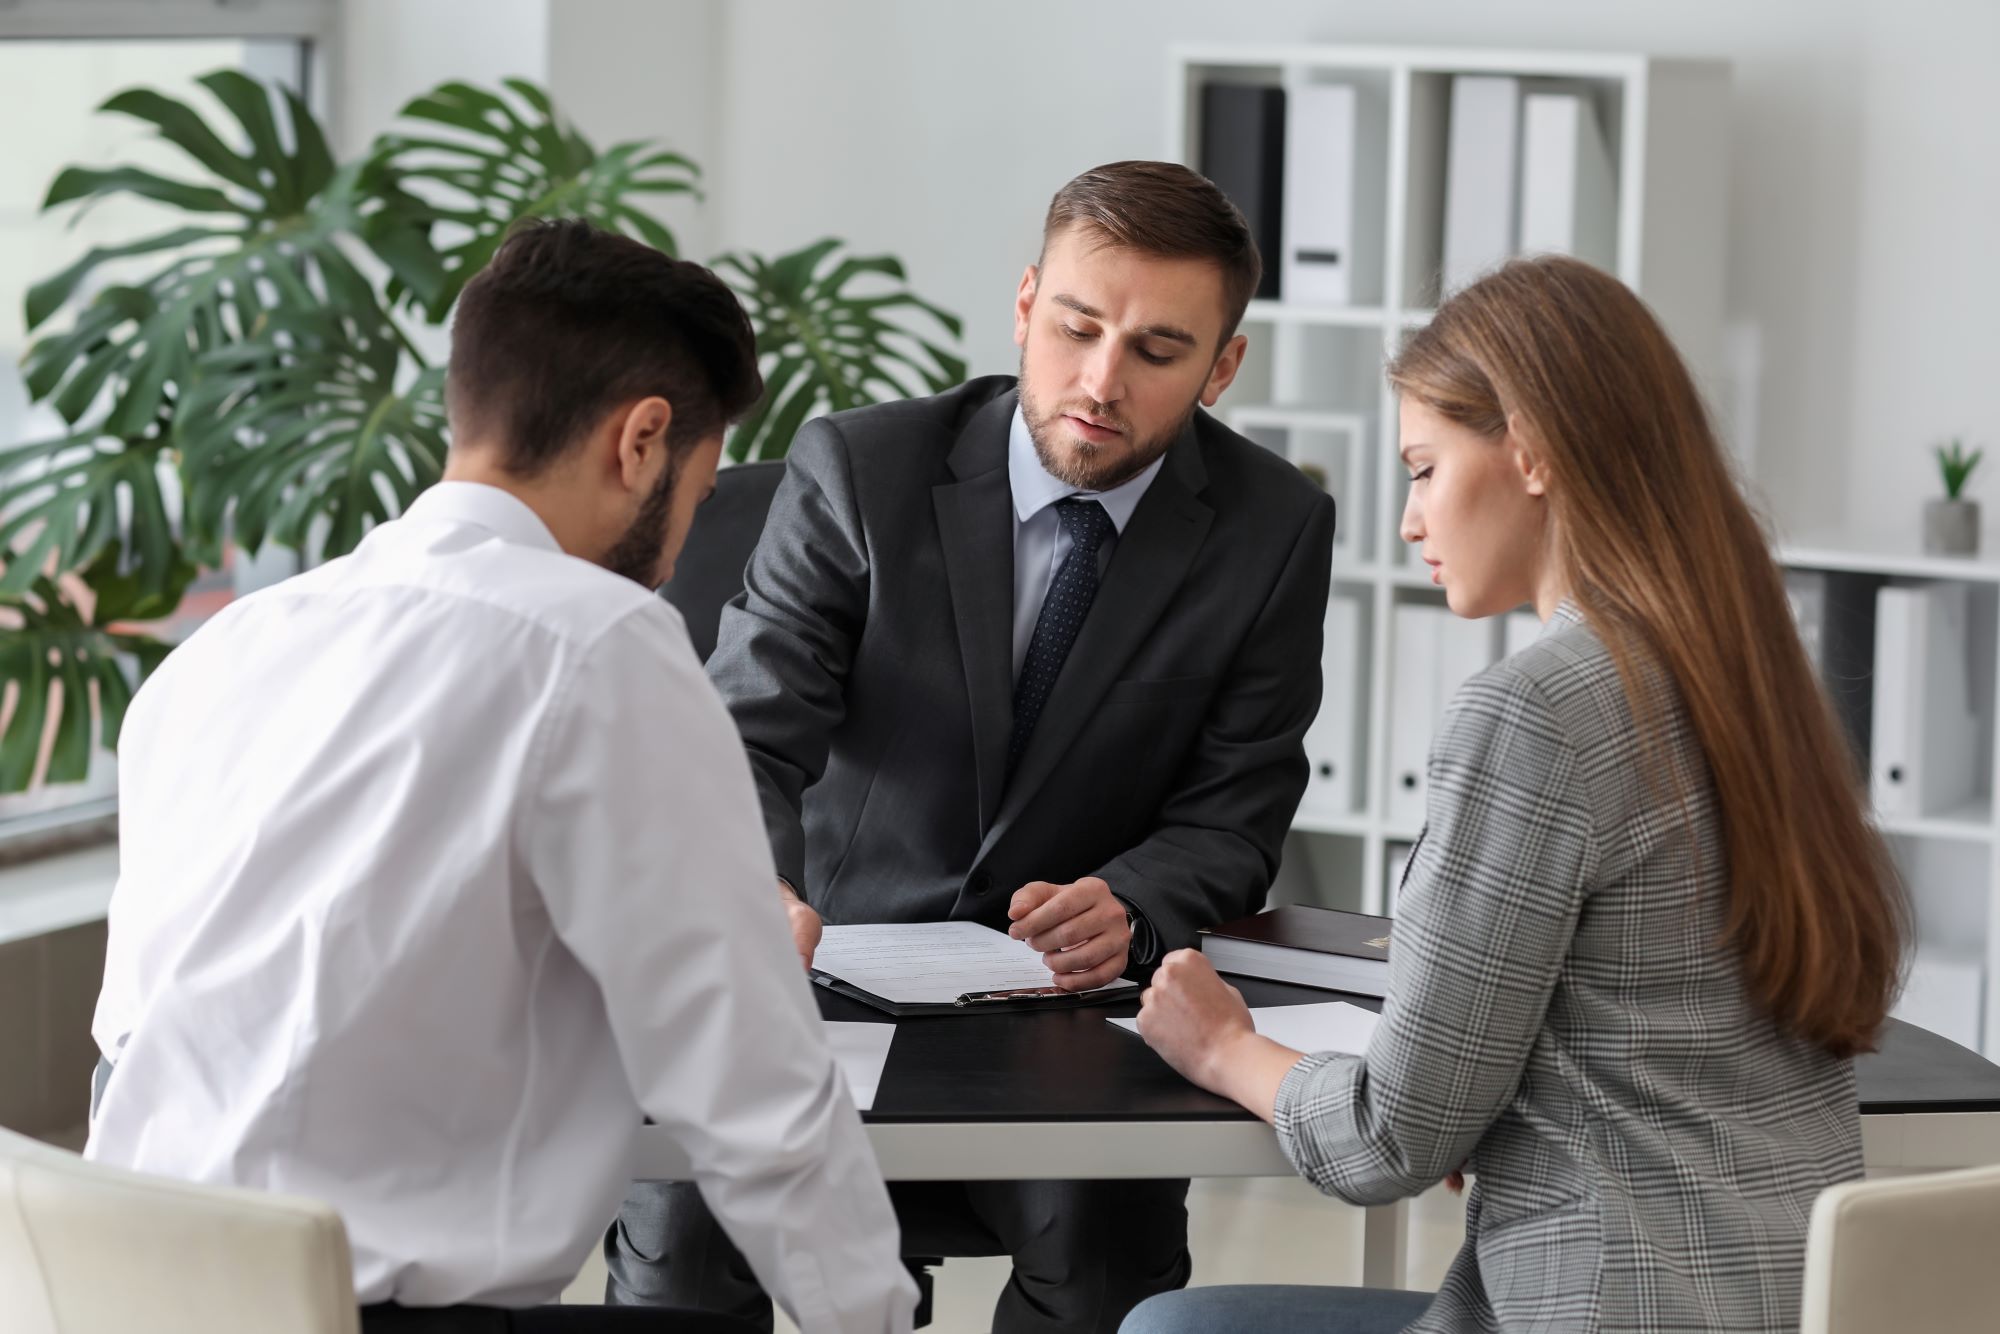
(725, 532)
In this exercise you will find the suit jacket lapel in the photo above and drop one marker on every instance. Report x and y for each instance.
(1147, 568)
(975, 517)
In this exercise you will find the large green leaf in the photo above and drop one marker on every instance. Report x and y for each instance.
(68, 500)
(312, 431)
(486, 161)
(273, 214)
(81, 670)
(825, 349)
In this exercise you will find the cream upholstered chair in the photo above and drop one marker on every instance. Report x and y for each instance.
(1907, 1255)
(88, 1249)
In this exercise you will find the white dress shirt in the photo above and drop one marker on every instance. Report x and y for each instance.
(440, 864)
(1040, 544)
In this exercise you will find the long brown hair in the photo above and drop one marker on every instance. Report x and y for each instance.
(1673, 571)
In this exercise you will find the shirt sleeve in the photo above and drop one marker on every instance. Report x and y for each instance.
(642, 833)
(1483, 925)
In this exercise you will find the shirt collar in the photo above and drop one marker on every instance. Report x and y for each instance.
(1035, 489)
(504, 515)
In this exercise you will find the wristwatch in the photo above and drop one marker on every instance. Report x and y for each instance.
(1139, 946)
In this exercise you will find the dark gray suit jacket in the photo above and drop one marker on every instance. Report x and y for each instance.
(868, 663)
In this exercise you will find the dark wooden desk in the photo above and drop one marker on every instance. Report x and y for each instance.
(970, 1097)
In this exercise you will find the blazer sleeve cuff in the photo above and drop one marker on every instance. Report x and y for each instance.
(1310, 1090)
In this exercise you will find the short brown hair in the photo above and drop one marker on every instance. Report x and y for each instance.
(569, 320)
(1164, 209)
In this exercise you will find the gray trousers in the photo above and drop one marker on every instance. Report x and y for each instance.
(1085, 1252)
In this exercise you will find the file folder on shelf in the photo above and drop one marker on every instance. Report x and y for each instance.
(1334, 741)
(1481, 178)
(1435, 653)
(1321, 165)
(1568, 193)
(1924, 748)
(1243, 152)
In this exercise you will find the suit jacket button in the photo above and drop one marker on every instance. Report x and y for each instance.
(981, 882)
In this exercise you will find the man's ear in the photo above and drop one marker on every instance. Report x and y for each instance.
(1527, 458)
(1223, 373)
(642, 442)
(1024, 303)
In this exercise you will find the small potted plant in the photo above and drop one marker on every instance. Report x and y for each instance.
(1951, 525)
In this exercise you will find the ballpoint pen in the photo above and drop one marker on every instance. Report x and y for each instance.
(1017, 993)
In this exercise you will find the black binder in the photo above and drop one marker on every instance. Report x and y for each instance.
(1243, 152)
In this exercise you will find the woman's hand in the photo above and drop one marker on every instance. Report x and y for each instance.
(1200, 1025)
(1193, 1018)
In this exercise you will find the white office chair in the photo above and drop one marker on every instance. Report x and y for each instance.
(88, 1249)
(1905, 1254)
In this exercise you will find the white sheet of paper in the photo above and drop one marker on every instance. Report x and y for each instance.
(932, 963)
(1330, 1026)
(860, 1050)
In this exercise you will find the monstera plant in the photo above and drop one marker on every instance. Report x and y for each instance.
(258, 381)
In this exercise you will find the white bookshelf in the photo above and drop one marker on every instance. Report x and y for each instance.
(1950, 858)
(1318, 367)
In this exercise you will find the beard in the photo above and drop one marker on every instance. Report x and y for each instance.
(637, 552)
(1085, 464)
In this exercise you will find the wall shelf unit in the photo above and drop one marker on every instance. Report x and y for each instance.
(1314, 374)
(1312, 389)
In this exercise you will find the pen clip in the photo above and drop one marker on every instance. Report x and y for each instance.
(1017, 993)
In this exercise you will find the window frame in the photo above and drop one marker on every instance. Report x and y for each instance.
(316, 26)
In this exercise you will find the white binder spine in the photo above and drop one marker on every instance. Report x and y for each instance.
(1568, 194)
(1412, 709)
(1333, 742)
(1946, 758)
(1922, 758)
(1481, 155)
(1320, 126)
(1891, 777)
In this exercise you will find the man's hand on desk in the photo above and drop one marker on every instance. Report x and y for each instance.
(1081, 930)
(805, 923)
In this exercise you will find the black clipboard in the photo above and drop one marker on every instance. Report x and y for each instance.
(1018, 1001)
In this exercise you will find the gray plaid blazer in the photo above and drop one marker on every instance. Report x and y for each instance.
(1561, 1021)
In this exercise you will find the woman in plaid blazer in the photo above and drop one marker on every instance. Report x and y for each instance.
(1648, 924)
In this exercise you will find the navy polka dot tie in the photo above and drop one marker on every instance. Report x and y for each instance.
(1070, 595)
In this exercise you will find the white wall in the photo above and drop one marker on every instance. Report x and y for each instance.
(1865, 176)
(388, 51)
(641, 69)
(619, 69)
(1865, 171)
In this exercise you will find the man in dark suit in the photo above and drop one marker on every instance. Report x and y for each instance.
(1041, 655)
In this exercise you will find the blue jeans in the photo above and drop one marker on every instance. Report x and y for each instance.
(1261, 1308)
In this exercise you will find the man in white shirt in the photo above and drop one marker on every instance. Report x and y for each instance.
(441, 863)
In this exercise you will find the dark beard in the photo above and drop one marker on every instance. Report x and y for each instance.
(1087, 466)
(636, 553)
